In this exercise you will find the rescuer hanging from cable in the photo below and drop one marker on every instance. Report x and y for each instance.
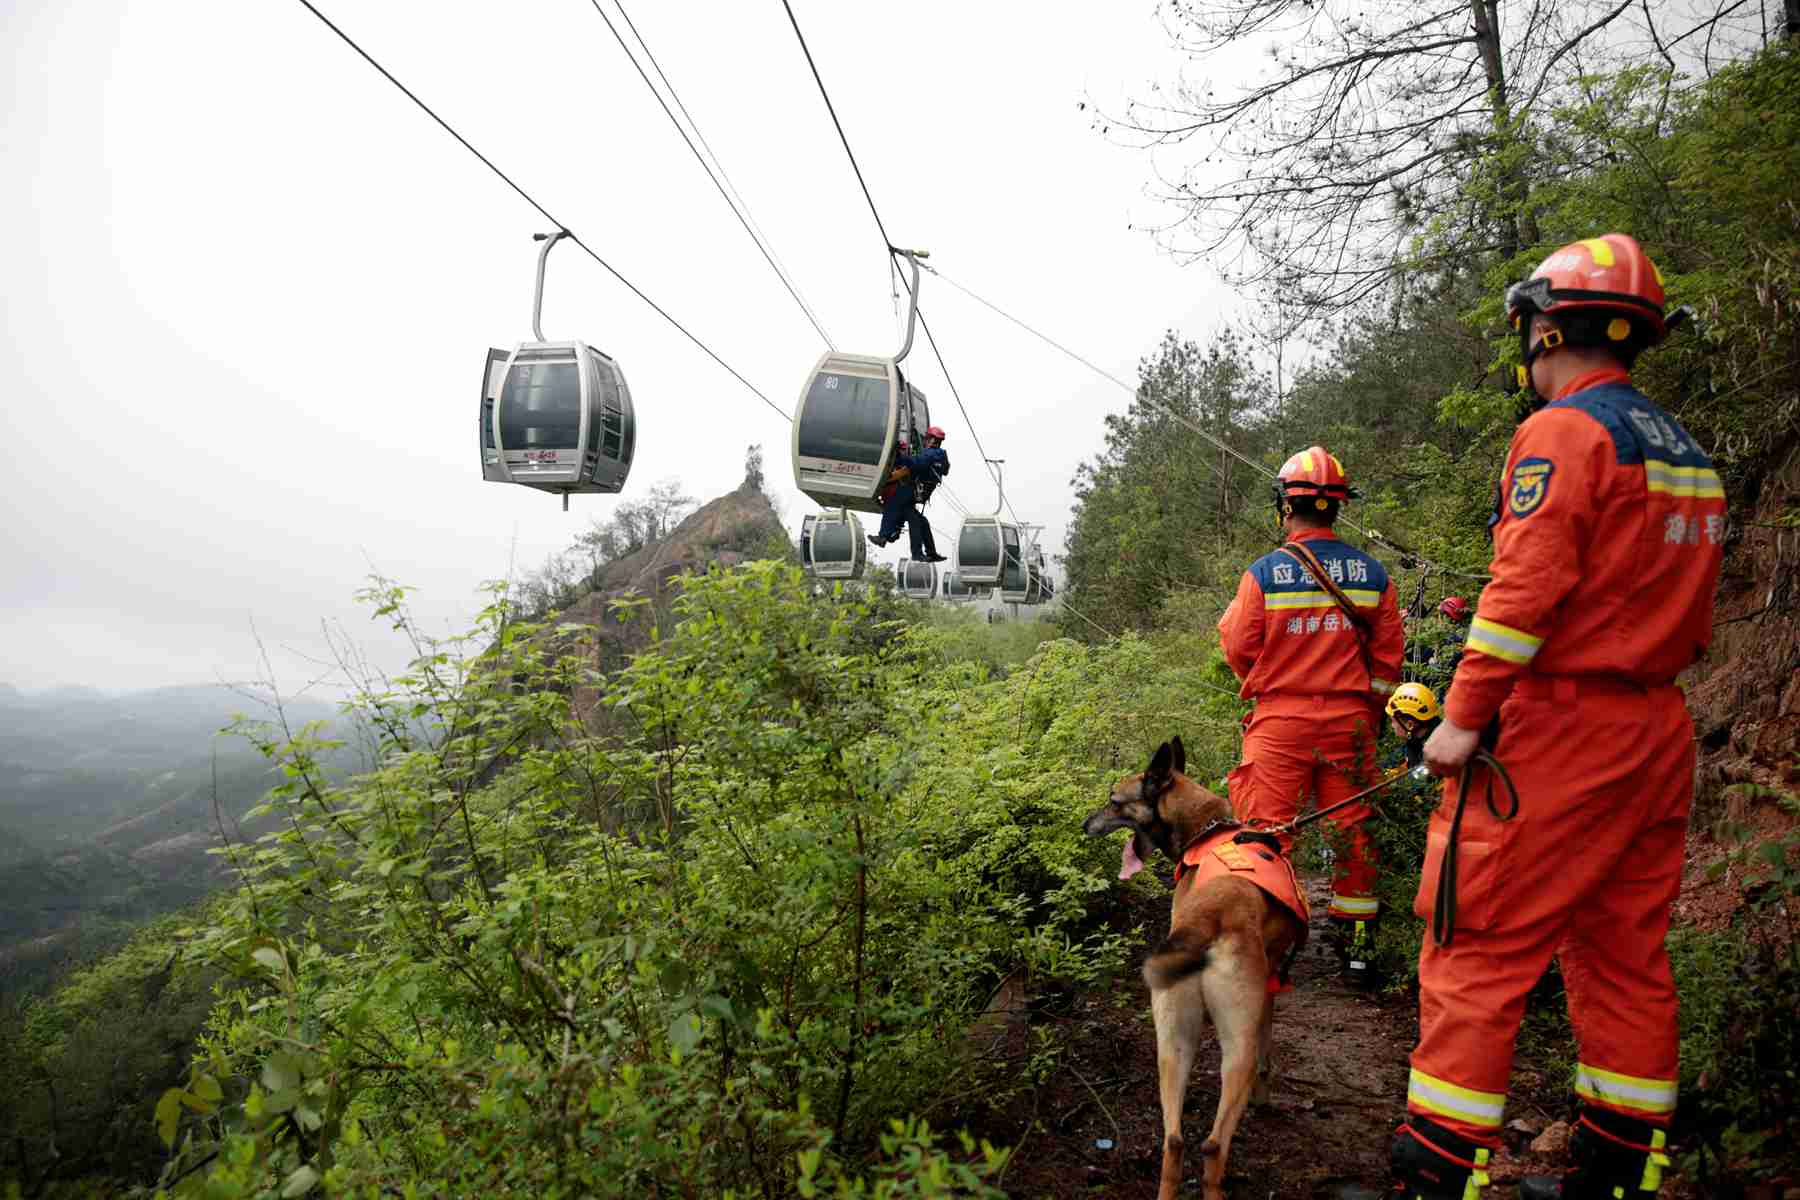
(1314, 632)
(1607, 545)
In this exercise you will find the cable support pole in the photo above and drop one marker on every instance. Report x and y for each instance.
(957, 396)
(805, 309)
(544, 212)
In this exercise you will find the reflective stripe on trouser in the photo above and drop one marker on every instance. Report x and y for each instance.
(1319, 748)
(1647, 1099)
(1587, 871)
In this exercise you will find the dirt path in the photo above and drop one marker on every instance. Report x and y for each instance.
(1341, 1078)
(1341, 1063)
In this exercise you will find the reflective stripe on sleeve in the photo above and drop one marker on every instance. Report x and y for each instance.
(1446, 1099)
(1653, 1096)
(1502, 641)
(1354, 906)
(1683, 481)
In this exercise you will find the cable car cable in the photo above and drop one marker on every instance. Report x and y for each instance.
(832, 109)
(1369, 534)
(881, 226)
(712, 154)
(768, 256)
(527, 197)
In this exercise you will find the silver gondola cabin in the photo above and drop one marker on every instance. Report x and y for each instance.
(1015, 579)
(832, 545)
(854, 412)
(556, 416)
(918, 580)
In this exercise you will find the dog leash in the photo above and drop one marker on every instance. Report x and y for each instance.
(1443, 910)
(1287, 827)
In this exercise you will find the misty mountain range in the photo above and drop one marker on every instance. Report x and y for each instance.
(107, 811)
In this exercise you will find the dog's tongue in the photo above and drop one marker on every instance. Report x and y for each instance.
(1131, 864)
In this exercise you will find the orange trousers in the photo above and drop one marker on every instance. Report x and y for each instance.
(1588, 871)
(1323, 747)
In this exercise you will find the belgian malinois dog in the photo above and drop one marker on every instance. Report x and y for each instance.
(1225, 935)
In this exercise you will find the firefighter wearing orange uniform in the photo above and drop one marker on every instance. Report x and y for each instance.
(1607, 547)
(1319, 684)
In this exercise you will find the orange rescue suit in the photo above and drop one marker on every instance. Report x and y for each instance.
(1318, 701)
(1607, 545)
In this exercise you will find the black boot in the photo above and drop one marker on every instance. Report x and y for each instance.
(1428, 1162)
(1612, 1156)
(1359, 954)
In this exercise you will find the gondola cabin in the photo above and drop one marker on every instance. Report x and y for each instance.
(832, 545)
(556, 416)
(1041, 588)
(952, 588)
(1016, 573)
(983, 547)
(854, 412)
(918, 580)
(1041, 581)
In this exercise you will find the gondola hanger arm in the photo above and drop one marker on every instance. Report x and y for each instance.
(537, 301)
(912, 258)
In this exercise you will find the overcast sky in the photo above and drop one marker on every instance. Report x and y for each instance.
(248, 286)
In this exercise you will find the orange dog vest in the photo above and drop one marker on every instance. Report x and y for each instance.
(1218, 855)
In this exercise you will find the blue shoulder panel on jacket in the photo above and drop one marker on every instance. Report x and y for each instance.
(1639, 429)
(1278, 572)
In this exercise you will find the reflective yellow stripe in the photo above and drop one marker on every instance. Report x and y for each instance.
(1502, 641)
(1355, 906)
(1446, 1099)
(1357, 596)
(1655, 1096)
(1671, 480)
(1306, 460)
(1478, 1178)
(1601, 249)
(1653, 1166)
(1335, 462)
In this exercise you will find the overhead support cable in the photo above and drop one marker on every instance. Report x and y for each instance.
(887, 241)
(742, 217)
(832, 109)
(1181, 419)
(544, 212)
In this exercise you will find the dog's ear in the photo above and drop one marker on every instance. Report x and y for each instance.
(1159, 762)
(1180, 755)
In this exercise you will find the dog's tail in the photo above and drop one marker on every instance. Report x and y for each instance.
(1183, 953)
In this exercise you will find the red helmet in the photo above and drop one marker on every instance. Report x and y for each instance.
(1601, 291)
(1454, 607)
(935, 431)
(1315, 472)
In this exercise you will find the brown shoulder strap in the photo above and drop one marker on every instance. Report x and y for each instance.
(1359, 624)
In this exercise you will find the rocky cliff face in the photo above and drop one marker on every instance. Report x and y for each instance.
(1746, 696)
(737, 527)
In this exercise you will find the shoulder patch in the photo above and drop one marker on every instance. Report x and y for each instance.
(1530, 484)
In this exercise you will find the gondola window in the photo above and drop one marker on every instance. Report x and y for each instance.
(831, 542)
(846, 419)
(541, 406)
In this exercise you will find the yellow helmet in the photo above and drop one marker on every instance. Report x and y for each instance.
(1414, 700)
